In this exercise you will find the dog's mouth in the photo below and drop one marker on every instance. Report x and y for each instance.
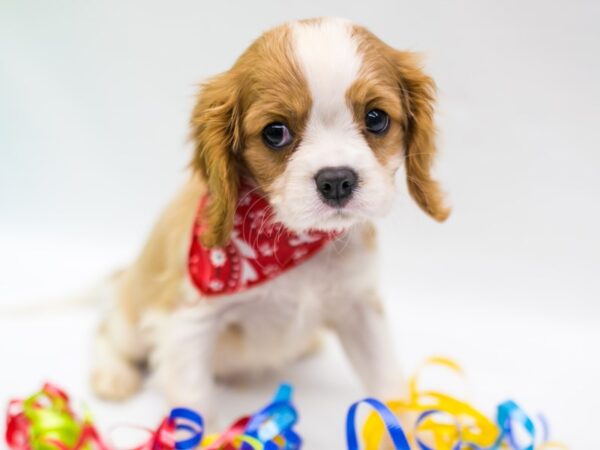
(341, 214)
(313, 213)
(338, 220)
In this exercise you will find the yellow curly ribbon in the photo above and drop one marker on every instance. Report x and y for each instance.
(468, 424)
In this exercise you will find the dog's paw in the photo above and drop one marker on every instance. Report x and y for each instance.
(116, 380)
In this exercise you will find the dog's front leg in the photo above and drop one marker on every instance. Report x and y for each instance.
(183, 359)
(364, 334)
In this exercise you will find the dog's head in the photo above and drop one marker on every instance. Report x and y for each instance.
(320, 114)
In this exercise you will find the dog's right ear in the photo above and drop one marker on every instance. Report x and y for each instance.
(217, 138)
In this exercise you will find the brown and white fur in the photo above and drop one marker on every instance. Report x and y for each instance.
(319, 77)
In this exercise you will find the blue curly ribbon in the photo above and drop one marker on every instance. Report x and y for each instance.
(276, 420)
(389, 419)
(510, 414)
(191, 422)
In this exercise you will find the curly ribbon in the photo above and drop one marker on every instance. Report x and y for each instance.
(181, 421)
(388, 422)
(45, 421)
(510, 416)
(453, 424)
(271, 428)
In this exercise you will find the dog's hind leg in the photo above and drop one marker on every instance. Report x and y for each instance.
(118, 357)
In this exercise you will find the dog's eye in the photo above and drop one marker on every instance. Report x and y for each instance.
(377, 121)
(276, 135)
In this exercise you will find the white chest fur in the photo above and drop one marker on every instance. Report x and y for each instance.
(271, 324)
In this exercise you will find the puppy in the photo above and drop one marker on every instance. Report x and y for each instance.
(270, 241)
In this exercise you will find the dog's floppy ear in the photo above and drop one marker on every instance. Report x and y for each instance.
(418, 97)
(216, 135)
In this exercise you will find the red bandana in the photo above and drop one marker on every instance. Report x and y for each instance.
(258, 251)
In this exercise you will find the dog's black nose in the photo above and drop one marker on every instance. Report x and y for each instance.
(336, 184)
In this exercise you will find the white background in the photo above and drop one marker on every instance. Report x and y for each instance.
(94, 103)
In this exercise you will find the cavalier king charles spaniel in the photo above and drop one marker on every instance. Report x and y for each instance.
(270, 241)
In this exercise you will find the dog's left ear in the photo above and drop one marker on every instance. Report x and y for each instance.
(418, 98)
(217, 138)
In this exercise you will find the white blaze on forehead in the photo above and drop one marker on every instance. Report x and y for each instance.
(328, 56)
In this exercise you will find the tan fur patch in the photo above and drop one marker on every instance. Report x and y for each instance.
(156, 276)
(264, 86)
(275, 91)
(393, 81)
(377, 88)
